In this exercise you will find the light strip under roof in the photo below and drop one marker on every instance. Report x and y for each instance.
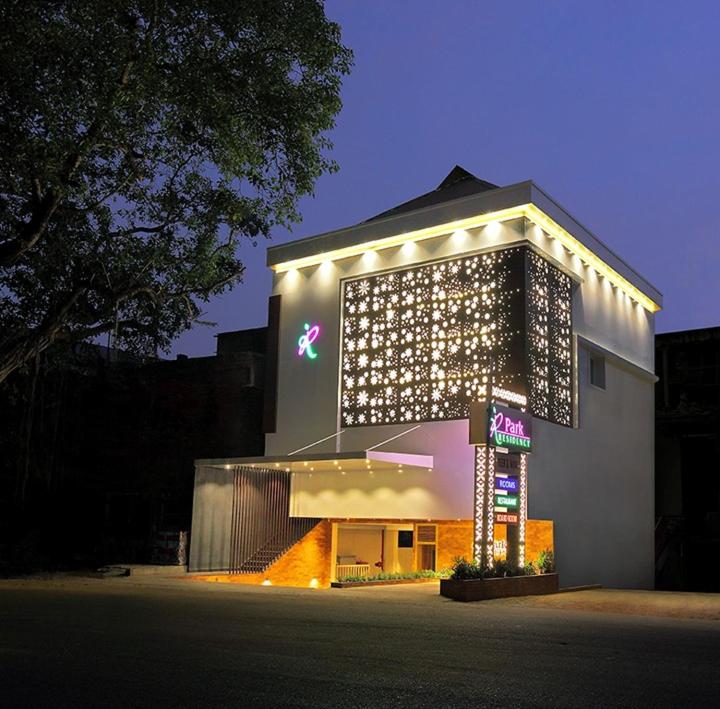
(527, 211)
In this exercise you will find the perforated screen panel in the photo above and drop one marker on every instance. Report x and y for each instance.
(549, 323)
(419, 344)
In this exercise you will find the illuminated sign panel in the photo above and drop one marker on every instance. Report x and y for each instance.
(507, 484)
(506, 518)
(506, 501)
(501, 427)
(509, 428)
(422, 343)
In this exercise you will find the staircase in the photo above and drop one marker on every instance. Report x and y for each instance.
(294, 530)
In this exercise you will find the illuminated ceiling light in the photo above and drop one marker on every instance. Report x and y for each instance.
(540, 218)
(292, 276)
(401, 239)
(529, 211)
(277, 465)
(493, 228)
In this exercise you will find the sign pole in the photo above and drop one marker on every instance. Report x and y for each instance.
(479, 515)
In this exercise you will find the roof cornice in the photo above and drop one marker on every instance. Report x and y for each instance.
(521, 200)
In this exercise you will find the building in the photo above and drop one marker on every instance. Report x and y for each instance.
(99, 448)
(687, 501)
(387, 334)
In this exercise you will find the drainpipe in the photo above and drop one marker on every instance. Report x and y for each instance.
(382, 549)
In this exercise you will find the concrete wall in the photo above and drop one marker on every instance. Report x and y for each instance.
(597, 482)
(211, 523)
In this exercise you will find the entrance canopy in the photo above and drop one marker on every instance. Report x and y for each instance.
(380, 461)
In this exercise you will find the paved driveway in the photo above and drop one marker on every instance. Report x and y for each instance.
(150, 643)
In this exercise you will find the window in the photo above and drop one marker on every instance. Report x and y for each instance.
(597, 371)
(405, 539)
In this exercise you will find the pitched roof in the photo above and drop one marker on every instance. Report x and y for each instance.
(458, 183)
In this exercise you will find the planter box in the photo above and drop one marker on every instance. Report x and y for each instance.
(384, 582)
(484, 589)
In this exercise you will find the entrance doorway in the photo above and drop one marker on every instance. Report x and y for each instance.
(368, 549)
(426, 546)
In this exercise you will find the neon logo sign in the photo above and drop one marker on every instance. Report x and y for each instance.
(510, 429)
(305, 343)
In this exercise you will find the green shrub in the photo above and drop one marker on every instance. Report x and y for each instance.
(398, 575)
(546, 562)
(463, 569)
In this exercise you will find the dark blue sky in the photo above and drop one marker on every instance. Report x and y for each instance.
(612, 107)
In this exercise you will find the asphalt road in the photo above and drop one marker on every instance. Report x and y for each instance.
(120, 642)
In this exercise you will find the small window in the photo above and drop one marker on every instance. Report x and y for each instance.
(597, 371)
(405, 539)
(426, 533)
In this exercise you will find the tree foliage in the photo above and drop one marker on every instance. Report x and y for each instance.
(140, 141)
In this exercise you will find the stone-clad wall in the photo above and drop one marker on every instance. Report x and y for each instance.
(307, 560)
(455, 539)
(310, 558)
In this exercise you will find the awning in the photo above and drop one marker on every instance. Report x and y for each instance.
(359, 460)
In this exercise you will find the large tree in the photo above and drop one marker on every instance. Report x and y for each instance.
(139, 142)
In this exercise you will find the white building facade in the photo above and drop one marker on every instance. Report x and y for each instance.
(386, 333)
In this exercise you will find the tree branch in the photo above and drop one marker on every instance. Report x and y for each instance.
(42, 211)
(17, 353)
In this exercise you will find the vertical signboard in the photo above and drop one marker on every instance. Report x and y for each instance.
(507, 488)
(500, 426)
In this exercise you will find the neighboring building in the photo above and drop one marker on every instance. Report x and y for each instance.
(99, 447)
(687, 503)
(387, 332)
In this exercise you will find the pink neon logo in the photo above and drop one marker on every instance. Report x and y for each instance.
(504, 424)
(305, 342)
